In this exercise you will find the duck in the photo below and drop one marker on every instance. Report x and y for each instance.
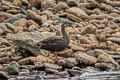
(56, 43)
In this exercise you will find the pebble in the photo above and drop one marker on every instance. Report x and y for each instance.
(86, 59)
(13, 68)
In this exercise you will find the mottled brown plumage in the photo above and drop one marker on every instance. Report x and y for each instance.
(57, 43)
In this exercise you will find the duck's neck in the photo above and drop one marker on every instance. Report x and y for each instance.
(65, 35)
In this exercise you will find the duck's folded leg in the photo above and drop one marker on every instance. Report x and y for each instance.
(56, 56)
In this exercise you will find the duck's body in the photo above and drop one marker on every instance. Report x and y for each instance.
(57, 43)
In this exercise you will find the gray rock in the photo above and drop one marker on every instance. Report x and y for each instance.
(71, 62)
(62, 63)
(13, 68)
(3, 76)
(91, 52)
(49, 70)
(10, 26)
(62, 6)
(117, 19)
(1, 31)
(52, 66)
(11, 20)
(74, 72)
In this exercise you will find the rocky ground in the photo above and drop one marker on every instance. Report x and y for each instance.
(94, 34)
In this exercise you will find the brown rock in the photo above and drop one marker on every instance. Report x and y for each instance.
(21, 22)
(77, 12)
(84, 40)
(44, 59)
(9, 35)
(33, 16)
(4, 16)
(18, 28)
(61, 5)
(14, 11)
(70, 30)
(73, 18)
(27, 60)
(86, 59)
(71, 62)
(103, 58)
(77, 48)
(72, 2)
(4, 60)
(112, 46)
(93, 5)
(89, 29)
(66, 53)
(17, 2)
(31, 22)
(35, 3)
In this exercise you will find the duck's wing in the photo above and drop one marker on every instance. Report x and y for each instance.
(49, 42)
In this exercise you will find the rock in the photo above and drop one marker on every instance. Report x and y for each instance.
(33, 16)
(17, 2)
(9, 35)
(86, 59)
(27, 60)
(11, 20)
(44, 59)
(52, 66)
(4, 60)
(4, 16)
(10, 26)
(77, 48)
(89, 29)
(49, 70)
(21, 23)
(91, 53)
(114, 15)
(71, 62)
(66, 53)
(73, 18)
(62, 6)
(31, 22)
(75, 72)
(62, 63)
(35, 36)
(102, 66)
(3, 76)
(24, 72)
(12, 11)
(112, 46)
(77, 12)
(93, 38)
(46, 4)
(113, 25)
(1, 31)
(114, 39)
(35, 3)
(116, 20)
(72, 2)
(13, 68)
(84, 40)
(103, 58)
(18, 29)
(93, 5)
